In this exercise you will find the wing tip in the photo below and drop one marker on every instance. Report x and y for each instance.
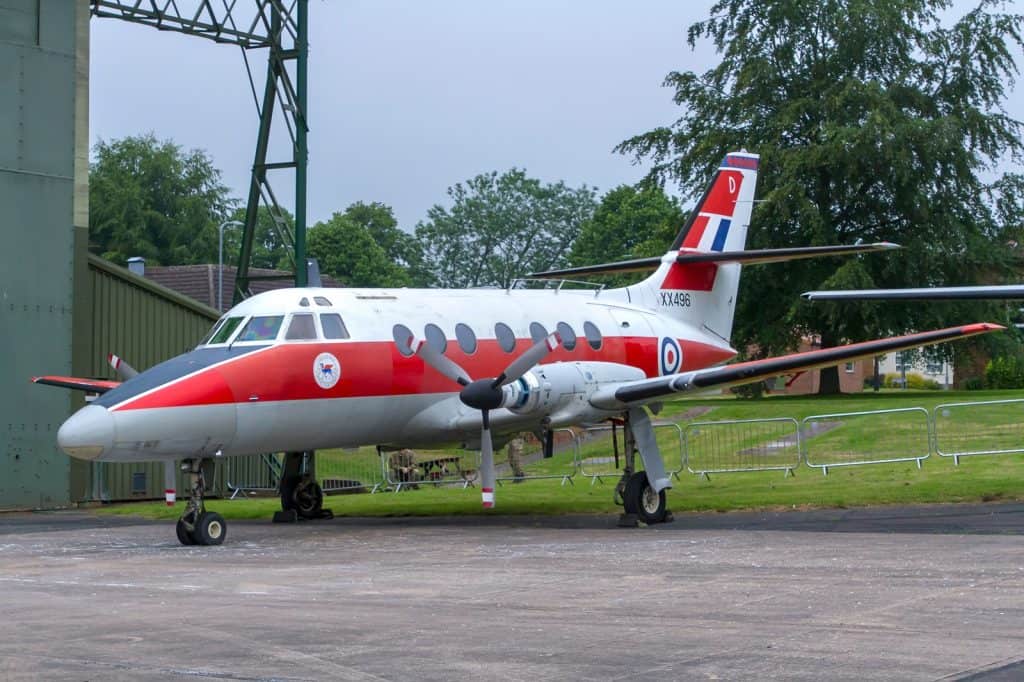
(982, 328)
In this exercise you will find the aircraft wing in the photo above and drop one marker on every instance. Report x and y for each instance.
(1000, 291)
(78, 384)
(639, 392)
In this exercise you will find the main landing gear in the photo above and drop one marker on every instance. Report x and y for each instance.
(196, 526)
(640, 501)
(301, 495)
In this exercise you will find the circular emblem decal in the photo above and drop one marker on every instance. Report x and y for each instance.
(326, 370)
(671, 356)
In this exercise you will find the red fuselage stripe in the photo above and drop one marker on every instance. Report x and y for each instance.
(376, 368)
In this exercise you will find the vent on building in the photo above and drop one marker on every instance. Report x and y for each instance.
(139, 483)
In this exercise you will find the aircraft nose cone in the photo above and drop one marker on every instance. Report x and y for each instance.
(87, 433)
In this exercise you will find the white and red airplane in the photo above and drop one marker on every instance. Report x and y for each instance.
(298, 370)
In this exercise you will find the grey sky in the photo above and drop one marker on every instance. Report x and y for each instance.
(408, 98)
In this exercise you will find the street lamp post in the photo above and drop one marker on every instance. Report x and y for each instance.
(220, 262)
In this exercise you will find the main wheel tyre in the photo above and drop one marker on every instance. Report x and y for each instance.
(184, 536)
(639, 498)
(308, 498)
(210, 529)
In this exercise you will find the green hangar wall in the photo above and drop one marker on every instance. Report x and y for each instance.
(41, 145)
(61, 309)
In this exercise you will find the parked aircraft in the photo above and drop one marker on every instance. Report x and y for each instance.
(298, 370)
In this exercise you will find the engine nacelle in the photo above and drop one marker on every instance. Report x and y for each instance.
(562, 390)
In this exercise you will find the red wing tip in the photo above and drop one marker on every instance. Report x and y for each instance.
(982, 327)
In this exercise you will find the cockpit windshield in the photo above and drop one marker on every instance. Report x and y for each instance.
(223, 330)
(261, 328)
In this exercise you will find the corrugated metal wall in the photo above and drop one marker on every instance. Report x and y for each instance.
(145, 324)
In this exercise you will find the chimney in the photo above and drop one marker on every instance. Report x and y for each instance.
(137, 264)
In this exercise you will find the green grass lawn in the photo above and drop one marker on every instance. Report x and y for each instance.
(981, 478)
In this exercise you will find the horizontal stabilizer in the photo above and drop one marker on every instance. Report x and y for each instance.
(78, 384)
(748, 257)
(993, 292)
(757, 370)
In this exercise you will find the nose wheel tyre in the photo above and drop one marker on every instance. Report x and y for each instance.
(639, 498)
(210, 529)
(184, 534)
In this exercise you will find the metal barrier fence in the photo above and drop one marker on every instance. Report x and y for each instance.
(996, 427)
(563, 438)
(409, 469)
(718, 447)
(357, 470)
(245, 475)
(610, 466)
(869, 437)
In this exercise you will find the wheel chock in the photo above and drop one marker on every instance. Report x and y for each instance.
(286, 516)
(628, 521)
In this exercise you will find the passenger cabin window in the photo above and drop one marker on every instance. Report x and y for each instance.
(466, 338)
(301, 328)
(262, 328)
(506, 337)
(436, 338)
(567, 334)
(226, 330)
(320, 300)
(403, 339)
(537, 331)
(333, 326)
(593, 335)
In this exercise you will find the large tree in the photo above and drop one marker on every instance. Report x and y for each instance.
(875, 120)
(347, 251)
(500, 227)
(151, 198)
(630, 222)
(399, 246)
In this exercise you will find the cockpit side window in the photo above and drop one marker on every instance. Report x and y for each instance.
(301, 328)
(213, 330)
(320, 300)
(226, 329)
(262, 328)
(333, 326)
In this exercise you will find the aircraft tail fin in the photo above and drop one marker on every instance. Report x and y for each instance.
(702, 291)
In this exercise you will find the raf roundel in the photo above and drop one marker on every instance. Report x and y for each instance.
(671, 356)
(326, 370)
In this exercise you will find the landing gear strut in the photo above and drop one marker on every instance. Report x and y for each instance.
(634, 492)
(301, 495)
(196, 526)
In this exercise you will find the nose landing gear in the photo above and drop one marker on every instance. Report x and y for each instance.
(196, 526)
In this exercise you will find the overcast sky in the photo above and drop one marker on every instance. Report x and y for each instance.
(408, 98)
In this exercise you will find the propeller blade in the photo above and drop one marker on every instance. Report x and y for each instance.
(487, 478)
(529, 359)
(441, 363)
(123, 369)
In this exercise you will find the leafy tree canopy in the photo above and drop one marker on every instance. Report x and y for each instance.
(874, 121)
(347, 251)
(500, 227)
(150, 198)
(630, 222)
(269, 249)
(400, 247)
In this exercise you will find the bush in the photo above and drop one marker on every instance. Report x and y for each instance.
(974, 384)
(1005, 372)
(914, 381)
(749, 391)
